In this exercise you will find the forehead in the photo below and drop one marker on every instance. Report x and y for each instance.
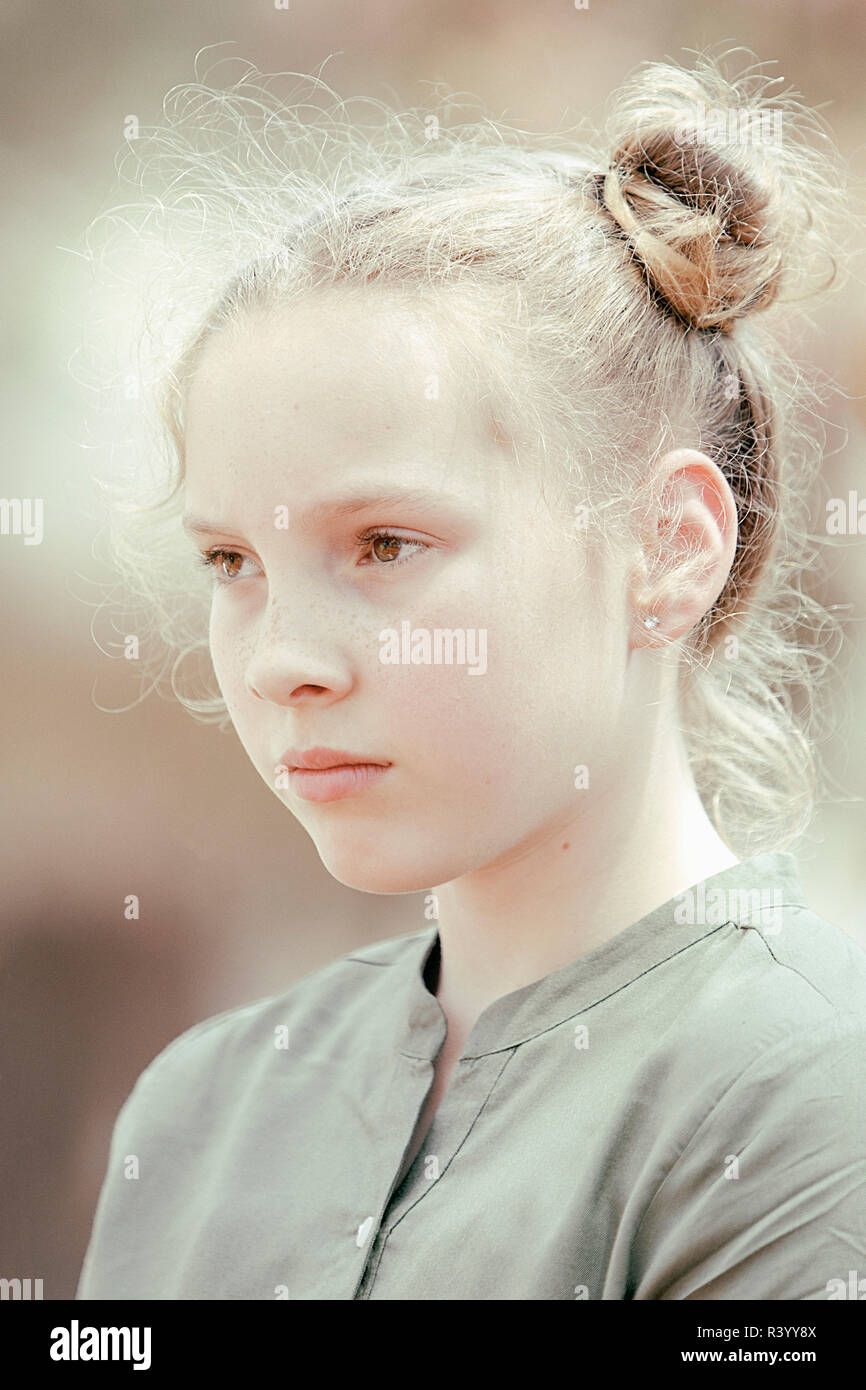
(337, 363)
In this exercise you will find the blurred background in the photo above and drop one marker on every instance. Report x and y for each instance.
(99, 804)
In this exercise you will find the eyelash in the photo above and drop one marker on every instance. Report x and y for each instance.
(211, 558)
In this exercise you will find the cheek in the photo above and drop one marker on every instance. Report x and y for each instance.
(231, 653)
(224, 653)
(519, 724)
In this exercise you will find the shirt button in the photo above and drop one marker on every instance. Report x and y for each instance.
(363, 1231)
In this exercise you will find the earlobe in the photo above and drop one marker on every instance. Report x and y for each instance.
(647, 629)
(643, 603)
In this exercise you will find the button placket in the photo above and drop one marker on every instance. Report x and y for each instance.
(469, 1091)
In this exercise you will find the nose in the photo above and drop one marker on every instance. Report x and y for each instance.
(292, 665)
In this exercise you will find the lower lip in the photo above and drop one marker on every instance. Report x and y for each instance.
(332, 783)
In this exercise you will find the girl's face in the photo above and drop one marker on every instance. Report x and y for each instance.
(349, 481)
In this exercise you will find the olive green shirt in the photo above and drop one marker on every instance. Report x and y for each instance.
(680, 1113)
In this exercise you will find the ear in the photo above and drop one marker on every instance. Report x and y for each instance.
(687, 550)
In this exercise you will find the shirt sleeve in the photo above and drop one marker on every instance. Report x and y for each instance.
(768, 1199)
(111, 1250)
(140, 1203)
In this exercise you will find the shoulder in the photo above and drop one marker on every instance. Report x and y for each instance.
(228, 1050)
(830, 964)
(764, 1194)
(769, 989)
(759, 1108)
(756, 1024)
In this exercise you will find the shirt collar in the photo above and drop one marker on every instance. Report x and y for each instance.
(748, 894)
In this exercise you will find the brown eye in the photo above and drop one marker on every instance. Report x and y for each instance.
(220, 563)
(225, 558)
(385, 550)
(387, 547)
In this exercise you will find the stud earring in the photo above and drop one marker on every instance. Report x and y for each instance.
(651, 620)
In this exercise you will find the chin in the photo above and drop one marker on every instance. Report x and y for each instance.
(375, 877)
(374, 867)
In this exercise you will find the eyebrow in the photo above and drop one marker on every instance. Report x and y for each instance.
(338, 508)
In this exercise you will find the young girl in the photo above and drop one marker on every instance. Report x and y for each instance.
(498, 472)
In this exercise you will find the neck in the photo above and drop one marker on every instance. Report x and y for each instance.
(577, 883)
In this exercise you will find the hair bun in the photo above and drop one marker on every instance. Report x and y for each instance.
(698, 209)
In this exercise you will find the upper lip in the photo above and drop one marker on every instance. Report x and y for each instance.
(317, 759)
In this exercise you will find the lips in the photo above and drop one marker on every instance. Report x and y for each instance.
(319, 759)
(328, 774)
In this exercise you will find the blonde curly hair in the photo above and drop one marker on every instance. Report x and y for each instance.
(619, 296)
